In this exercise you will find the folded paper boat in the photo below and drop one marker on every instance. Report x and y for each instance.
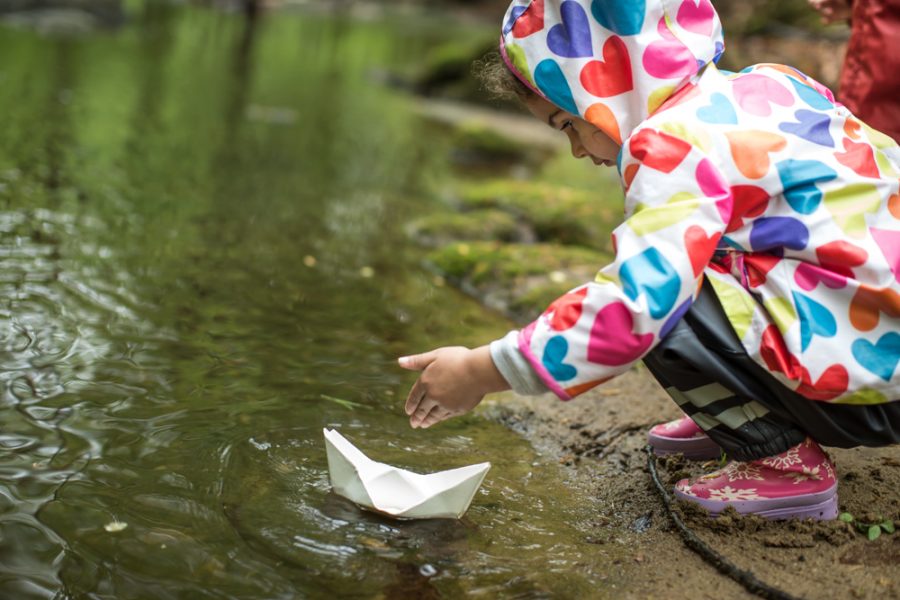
(398, 492)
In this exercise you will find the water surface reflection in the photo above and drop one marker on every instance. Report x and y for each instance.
(201, 234)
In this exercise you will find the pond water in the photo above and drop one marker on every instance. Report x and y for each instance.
(201, 225)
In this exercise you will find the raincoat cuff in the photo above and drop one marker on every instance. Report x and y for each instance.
(514, 367)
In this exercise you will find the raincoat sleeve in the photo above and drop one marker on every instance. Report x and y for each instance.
(516, 370)
(677, 205)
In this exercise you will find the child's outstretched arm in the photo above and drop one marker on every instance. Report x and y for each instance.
(453, 381)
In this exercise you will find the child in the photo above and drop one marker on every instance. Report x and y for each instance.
(756, 272)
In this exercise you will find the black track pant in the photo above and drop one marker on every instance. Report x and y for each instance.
(704, 368)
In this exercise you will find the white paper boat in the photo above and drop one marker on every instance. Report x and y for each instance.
(398, 492)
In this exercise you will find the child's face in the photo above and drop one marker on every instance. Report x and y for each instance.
(585, 138)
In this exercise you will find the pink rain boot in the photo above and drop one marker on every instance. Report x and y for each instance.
(799, 483)
(684, 436)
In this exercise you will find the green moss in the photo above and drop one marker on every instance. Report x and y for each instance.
(505, 264)
(444, 228)
(486, 143)
(556, 213)
(446, 70)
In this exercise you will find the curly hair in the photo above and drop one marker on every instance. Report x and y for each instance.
(498, 80)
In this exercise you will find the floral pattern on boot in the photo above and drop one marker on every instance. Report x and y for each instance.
(798, 483)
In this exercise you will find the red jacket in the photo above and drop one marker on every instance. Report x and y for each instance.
(870, 79)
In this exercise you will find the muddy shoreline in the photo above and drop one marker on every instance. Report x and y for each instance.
(600, 437)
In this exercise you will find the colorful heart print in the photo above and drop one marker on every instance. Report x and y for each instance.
(850, 204)
(757, 93)
(700, 247)
(748, 201)
(647, 219)
(581, 388)
(658, 150)
(652, 275)
(758, 266)
(720, 111)
(799, 179)
(841, 257)
(869, 302)
(550, 79)
(554, 353)
(750, 150)
(566, 309)
(831, 383)
(514, 14)
(889, 243)
(623, 18)
(808, 276)
(696, 17)
(676, 316)
(668, 58)
(851, 128)
(815, 320)
(530, 21)
(776, 355)
(810, 125)
(880, 358)
(713, 185)
(612, 75)
(572, 37)
(613, 341)
(859, 157)
(894, 206)
(811, 96)
(775, 233)
(600, 115)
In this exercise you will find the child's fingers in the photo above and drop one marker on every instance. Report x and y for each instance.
(416, 395)
(417, 362)
(436, 415)
(425, 407)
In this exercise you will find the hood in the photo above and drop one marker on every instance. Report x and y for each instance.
(612, 62)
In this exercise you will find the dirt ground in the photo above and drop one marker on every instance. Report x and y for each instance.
(601, 437)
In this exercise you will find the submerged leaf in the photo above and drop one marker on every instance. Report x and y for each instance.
(874, 532)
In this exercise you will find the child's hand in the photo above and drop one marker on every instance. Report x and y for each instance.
(453, 382)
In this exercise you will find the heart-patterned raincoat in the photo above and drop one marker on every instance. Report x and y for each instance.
(758, 181)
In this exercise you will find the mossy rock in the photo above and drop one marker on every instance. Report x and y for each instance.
(494, 262)
(556, 213)
(485, 144)
(519, 280)
(446, 70)
(444, 228)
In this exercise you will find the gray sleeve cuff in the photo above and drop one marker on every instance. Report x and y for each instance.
(514, 367)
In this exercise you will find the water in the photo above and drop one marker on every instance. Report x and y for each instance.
(201, 226)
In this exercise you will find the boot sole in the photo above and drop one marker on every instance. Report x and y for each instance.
(702, 448)
(819, 506)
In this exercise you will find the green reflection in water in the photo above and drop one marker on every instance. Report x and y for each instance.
(201, 233)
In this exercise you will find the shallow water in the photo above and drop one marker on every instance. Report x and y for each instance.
(201, 225)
